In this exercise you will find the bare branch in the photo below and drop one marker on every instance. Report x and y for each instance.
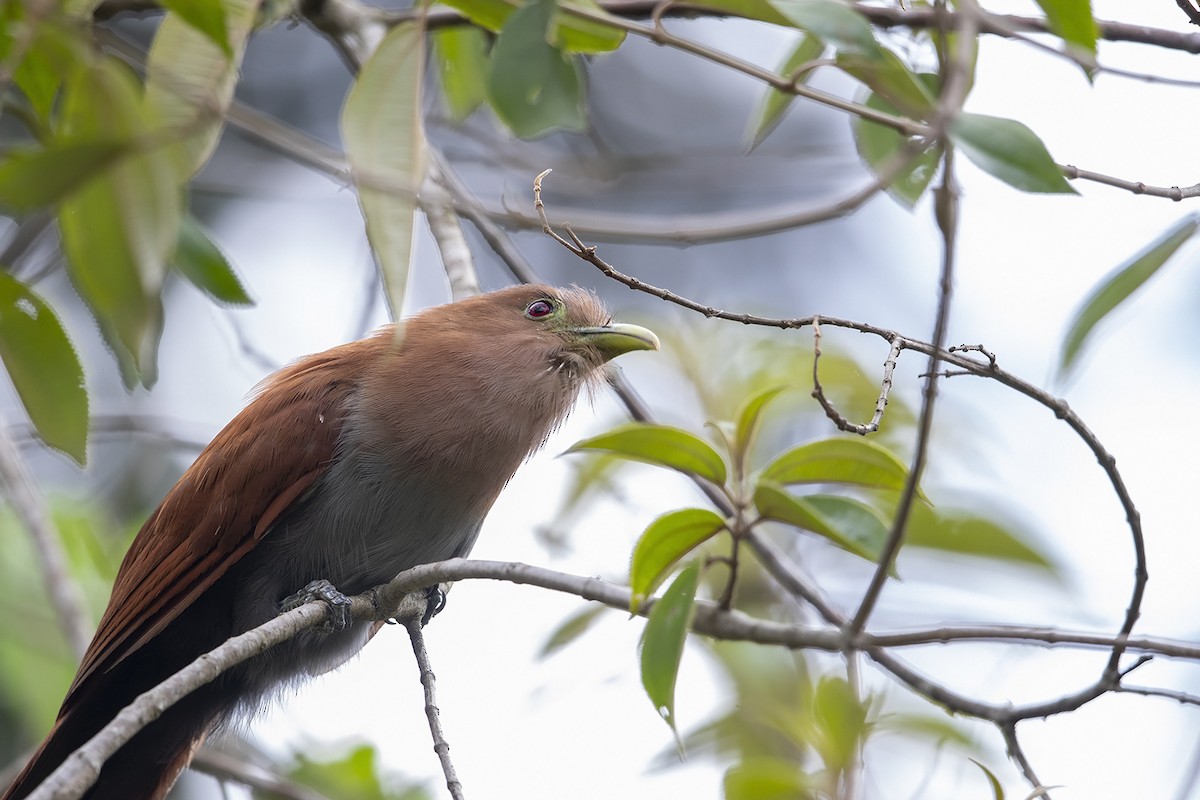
(225, 767)
(412, 623)
(818, 392)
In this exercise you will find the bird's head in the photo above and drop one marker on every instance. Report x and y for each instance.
(546, 334)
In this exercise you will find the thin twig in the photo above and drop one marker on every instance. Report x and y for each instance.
(446, 227)
(31, 510)
(412, 623)
(818, 392)
(1017, 754)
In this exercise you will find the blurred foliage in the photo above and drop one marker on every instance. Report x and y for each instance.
(36, 662)
(1118, 287)
(794, 730)
(356, 775)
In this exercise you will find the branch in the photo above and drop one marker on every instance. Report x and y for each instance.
(395, 599)
(29, 506)
(225, 767)
(432, 713)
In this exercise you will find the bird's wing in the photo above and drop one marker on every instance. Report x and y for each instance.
(258, 466)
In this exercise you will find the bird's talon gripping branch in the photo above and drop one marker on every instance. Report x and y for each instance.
(435, 602)
(339, 604)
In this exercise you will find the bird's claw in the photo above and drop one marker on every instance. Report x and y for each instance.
(339, 604)
(435, 601)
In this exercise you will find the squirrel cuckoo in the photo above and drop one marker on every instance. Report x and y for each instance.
(351, 465)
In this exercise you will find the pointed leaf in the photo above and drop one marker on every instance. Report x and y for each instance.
(748, 416)
(535, 87)
(834, 23)
(44, 368)
(661, 445)
(665, 541)
(663, 640)
(385, 144)
(878, 143)
(856, 461)
(120, 228)
(993, 781)
(202, 263)
(190, 77)
(890, 78)
(847, 523)
(572, 628)
(1072, 20)
(964, 532)
(462, 55)
(572, 33)
(1126, 280)
(34, 178)
(774, 102)
(206, 16)
(1009, 151)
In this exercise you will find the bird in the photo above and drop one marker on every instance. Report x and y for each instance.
(348, 466)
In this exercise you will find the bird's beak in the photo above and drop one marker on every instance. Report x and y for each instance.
(617, 338)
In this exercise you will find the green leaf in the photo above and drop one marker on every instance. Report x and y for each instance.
(843, 459)
(890, 78)
(834, 23)
(878, 143)
(665, 541)
(761, 10)
(661, 445)
(767, 778)
(967, 532)
(847, 523)
(1072, 20)
(841, 720)
(462, 54)
(663, 640)
(774, 102)
(535, 87)
(993, 781)
(190, 76)
(1008, 150)
(206, 16)
(572, 628)
(572, 33)
(35, 178)
(748, 417)
(119, 229)
(1119, 286)
(576, 34)
(44, 368)
(385, 144)
(54, 52)
(205, 266)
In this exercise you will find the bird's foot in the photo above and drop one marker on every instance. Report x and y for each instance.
(339, 604)
(435, 601)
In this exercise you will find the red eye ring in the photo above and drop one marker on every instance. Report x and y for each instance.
(539, 308)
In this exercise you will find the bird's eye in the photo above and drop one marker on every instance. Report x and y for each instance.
(539, 308)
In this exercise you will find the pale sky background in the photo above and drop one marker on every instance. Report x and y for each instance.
(578, 725)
